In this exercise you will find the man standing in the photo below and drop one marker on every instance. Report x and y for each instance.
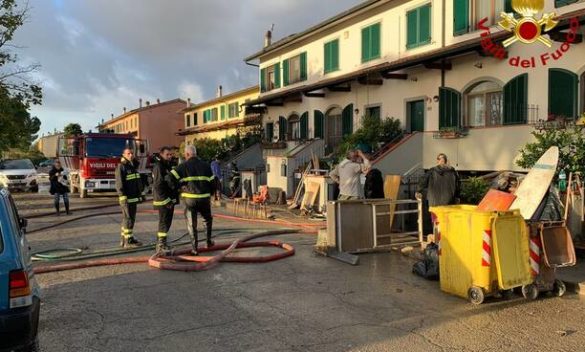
(348, 173)
(197, 178)
(165, 197)
(216, 169)
(129, 187)
(441, 184)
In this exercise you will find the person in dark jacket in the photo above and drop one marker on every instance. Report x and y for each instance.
(441, 184)
(165, 197)
(58, 189)
(198, 184)
(129, 187)
(374, 185)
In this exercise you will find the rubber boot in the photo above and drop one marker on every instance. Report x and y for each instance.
(210, 242)
(67, 206)
(131, 242)
(194, 243)
(58, 212)
(162, 247)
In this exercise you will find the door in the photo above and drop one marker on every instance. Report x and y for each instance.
(416, 115)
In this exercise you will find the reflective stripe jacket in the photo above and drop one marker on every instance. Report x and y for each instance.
(162, 186)
(197, 178)
(128, 182)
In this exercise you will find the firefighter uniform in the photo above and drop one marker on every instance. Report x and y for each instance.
(198, 181)
(165, 198)
(129, 187)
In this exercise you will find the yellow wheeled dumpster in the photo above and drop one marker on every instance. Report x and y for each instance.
(481, 253)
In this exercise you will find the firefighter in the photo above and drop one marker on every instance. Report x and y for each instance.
(129, 187)
(198, 185)
(165, 197)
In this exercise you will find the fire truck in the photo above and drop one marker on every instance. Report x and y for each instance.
(91, 160)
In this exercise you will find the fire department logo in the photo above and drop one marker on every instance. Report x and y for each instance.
(528, 29)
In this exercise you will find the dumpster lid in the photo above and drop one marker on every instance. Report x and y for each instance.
(511, 251)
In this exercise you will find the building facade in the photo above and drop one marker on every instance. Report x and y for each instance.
(429, 64)
(217, 118)
(155, 123)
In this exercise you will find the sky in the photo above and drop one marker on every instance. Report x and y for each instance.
(99, 56)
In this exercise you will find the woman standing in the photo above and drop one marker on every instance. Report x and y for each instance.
(57, 188)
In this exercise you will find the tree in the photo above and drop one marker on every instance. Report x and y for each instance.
(72, 129)
(17, 128)
(14, 77)
(571, 143)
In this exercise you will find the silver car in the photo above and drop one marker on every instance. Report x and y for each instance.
(18, 174)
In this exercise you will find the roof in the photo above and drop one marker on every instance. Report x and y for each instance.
(213, 101)
(295, 37)
(144, 108)
(399, 64)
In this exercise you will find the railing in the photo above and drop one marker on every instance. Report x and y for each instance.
(387, 146)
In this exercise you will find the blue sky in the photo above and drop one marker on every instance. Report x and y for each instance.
(98, 56)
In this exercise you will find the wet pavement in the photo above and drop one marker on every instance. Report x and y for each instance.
(302, 303)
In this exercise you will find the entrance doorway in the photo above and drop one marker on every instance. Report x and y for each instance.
(416, 115)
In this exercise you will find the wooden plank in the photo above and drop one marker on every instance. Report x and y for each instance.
(310, 196)
(391, 188)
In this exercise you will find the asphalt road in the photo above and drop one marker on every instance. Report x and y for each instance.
(303, 303)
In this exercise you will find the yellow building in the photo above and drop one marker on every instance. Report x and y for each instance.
(220, 117)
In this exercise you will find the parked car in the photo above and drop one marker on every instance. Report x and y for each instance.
(19, 291)
(46, 163)
(18, 174)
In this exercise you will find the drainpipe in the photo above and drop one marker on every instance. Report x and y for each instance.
(443, 39)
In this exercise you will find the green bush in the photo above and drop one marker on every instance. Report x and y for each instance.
(372, 133)
(571, 143)
(473, 190)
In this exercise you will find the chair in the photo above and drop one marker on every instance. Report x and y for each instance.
(241, 204)
(258, 202)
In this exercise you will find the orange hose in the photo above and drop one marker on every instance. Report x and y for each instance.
(180, 261)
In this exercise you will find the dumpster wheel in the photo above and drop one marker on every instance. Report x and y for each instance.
(476, 295)
(530, 292)
(559, 288)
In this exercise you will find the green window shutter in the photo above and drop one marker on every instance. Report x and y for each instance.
(460, 16)
(508, 6)
(263, 80)
(424, 18)
(269, 131)
(559, 3)
(305, 126)
(516, 100)
(319, 124)
(449, 108)
(562, 93)
(375, 41)
(285, 72)
(412, 28)
(222, 109)
(282, 128)
(304, 66)
(327, 57)
(366, 44)
(347, 120)
(277, 75)
(334, 55)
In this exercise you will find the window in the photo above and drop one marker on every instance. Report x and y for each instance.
(333, 124)
(484, 105)
(195, 119)
(294, 128)
(222, 109)
(418, 22)
(214, 114)
(233, 110)
(561, 3)
(449, 107)
(269, 131)
(294, 69)
(270, 78)
(371, 42)
(210, 115)
(468, 13)
(188, 123)
(373, 111)
(563, 86)
(331, 59)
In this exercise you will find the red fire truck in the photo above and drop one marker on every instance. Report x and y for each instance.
(91, 160)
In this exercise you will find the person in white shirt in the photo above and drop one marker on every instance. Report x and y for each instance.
(347, 174)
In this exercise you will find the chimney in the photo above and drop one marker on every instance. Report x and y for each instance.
(124, 109)
(268, 39)
(140, 103)
(147, 103)
(219, 92)
(188, 102)
(157, 100)
(112, 115)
